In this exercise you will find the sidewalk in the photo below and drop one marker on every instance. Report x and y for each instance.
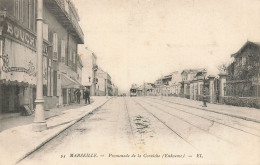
(16, 119)
(246, 113)
(19, 141)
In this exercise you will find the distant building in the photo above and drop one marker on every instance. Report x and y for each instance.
(115, 90)
(89, 71)
(188, 75)
(104, 85)
(174, 84)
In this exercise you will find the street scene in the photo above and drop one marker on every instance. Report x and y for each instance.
(135, 82)
(162, 132)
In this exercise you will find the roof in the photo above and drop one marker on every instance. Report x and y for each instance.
(244, 46)
(194, 70)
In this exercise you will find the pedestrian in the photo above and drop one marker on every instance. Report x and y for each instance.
(78, 96)
(87, 98)
(217, 96)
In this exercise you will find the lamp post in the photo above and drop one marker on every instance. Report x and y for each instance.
(39, 123)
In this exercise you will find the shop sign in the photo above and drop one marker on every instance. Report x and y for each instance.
(17, 32)
(30, 70)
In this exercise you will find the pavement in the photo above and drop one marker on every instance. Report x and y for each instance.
(246, 113)
(156, 131)
(17, 140)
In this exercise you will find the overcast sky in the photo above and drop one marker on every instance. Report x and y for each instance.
(138, 40)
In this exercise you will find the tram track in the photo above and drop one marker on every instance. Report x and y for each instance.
(182, 119)
(164, 123)
(212, 111)
(190, 113)
(130, 123)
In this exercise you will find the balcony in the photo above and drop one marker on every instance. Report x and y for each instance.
(68, 19)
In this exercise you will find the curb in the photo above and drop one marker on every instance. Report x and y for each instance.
(59, 132)
(214, 111)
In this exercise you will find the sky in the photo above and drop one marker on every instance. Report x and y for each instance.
(137, 41)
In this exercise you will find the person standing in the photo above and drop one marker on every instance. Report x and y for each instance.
(78, 96)
(87, 98)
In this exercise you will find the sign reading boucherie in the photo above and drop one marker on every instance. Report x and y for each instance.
(19, 33)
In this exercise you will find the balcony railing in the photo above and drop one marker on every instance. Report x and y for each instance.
(67, 19)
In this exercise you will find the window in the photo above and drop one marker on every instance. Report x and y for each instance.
(54, 83)
(45, 31)
(63, 49)
(70, 57)
(74, 57)
(18, 9)
(31, 12)
(243, 61)
(66, 5)
(44, 75)
(55, 46)
(1, 50)
(49, 82)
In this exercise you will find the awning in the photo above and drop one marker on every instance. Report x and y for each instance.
(67, 82)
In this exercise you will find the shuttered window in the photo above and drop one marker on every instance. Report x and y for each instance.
(54, 83)
(66, 6)
(63, 49)
(1, 48)
(55, 46)
(45, 31)
(18, 9)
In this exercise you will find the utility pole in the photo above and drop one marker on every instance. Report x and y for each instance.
(39, 123)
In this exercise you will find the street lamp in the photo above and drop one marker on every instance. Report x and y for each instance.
(39, 123)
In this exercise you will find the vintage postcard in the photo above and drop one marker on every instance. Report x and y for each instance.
(132, 82)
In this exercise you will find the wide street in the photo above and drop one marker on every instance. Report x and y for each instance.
(145, 130)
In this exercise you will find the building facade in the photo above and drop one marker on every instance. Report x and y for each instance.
(243, 72)
(104, 84)
(61, 34)
(174, 84)
(188, 76)
(240, 86)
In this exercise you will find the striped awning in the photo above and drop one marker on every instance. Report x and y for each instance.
(67, 82)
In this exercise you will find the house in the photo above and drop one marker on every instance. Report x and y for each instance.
(188, 75)
(162, 85)
(243, 72)
(175, 85)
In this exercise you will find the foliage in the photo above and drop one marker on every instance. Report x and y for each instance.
(242, 101)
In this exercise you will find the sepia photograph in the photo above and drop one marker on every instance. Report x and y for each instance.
(129, 82)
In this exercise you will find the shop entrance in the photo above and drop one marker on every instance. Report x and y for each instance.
(10, 98)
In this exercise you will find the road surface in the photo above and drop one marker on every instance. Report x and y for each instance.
(143, 130)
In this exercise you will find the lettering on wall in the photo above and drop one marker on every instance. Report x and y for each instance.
(20, 34)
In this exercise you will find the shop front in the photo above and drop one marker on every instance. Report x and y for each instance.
(17, 68)
(69, 86)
